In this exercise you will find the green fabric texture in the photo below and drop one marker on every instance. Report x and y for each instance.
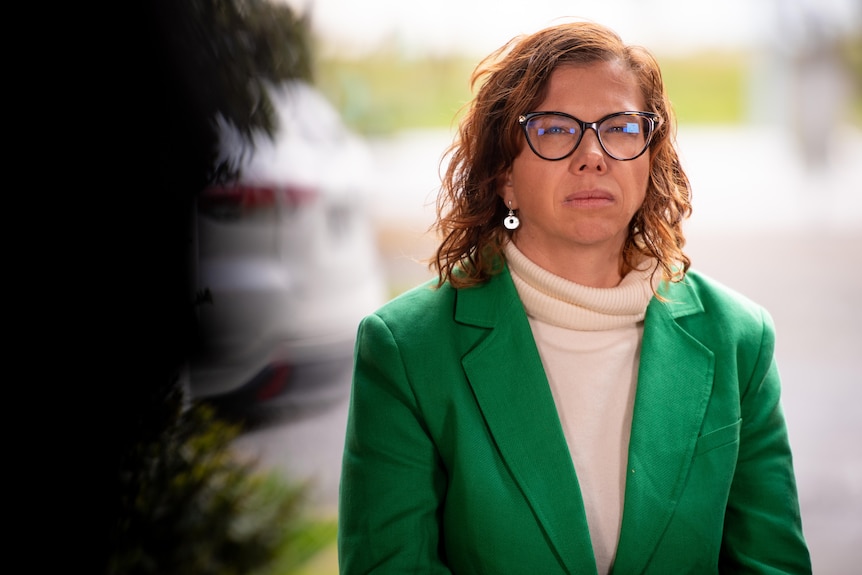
(455, 460)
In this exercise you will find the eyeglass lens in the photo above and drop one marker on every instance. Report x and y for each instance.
(622, 136)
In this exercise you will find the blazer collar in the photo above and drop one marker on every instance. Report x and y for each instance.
(512, 390)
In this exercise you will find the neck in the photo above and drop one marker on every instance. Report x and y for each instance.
(591, 266)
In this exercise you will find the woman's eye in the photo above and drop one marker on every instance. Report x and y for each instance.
(626, 128)
(555, 130)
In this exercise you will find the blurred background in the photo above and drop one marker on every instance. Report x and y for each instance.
(329, 215)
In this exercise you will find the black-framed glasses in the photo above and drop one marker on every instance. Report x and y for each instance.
(555, 135)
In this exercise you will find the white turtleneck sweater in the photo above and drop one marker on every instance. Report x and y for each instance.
(589, 341)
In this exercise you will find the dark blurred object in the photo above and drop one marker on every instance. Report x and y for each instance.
(163, 70)
(182, 65)
(226, 51)
(285, 261)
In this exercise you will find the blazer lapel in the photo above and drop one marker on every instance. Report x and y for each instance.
(508, 379)
(674, 384)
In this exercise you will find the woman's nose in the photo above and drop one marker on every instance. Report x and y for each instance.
(589, 156)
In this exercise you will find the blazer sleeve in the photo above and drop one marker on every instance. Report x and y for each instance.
(392, 479)
(763, 526)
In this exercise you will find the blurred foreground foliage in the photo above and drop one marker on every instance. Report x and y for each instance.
(189, 504)
(248, 43)
(225, 53)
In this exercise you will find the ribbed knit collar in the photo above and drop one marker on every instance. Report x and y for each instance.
(558, 301)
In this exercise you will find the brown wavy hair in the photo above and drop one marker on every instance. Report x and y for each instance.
(513, 80)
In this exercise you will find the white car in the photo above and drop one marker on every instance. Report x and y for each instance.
(285, 259)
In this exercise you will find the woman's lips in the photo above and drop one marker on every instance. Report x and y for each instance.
(590, 199)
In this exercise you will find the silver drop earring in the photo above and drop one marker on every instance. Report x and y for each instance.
(511, 221)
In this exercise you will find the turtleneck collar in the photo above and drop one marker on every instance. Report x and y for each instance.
(558, 301)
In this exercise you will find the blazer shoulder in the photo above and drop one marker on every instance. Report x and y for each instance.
(417, 316)
(428, 312)
(719, 298)
(417, 302)
(725, 311)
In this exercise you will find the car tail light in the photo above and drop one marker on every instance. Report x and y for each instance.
(272, 382)
(240, 201)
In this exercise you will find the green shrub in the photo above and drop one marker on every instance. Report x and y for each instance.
(189, 505)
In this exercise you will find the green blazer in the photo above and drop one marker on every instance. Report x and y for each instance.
(455, 459)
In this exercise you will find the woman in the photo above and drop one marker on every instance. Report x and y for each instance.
(567, 396)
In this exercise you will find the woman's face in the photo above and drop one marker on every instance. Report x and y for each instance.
(576, 211)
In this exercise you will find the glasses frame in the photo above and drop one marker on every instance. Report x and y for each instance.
(651, 117)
